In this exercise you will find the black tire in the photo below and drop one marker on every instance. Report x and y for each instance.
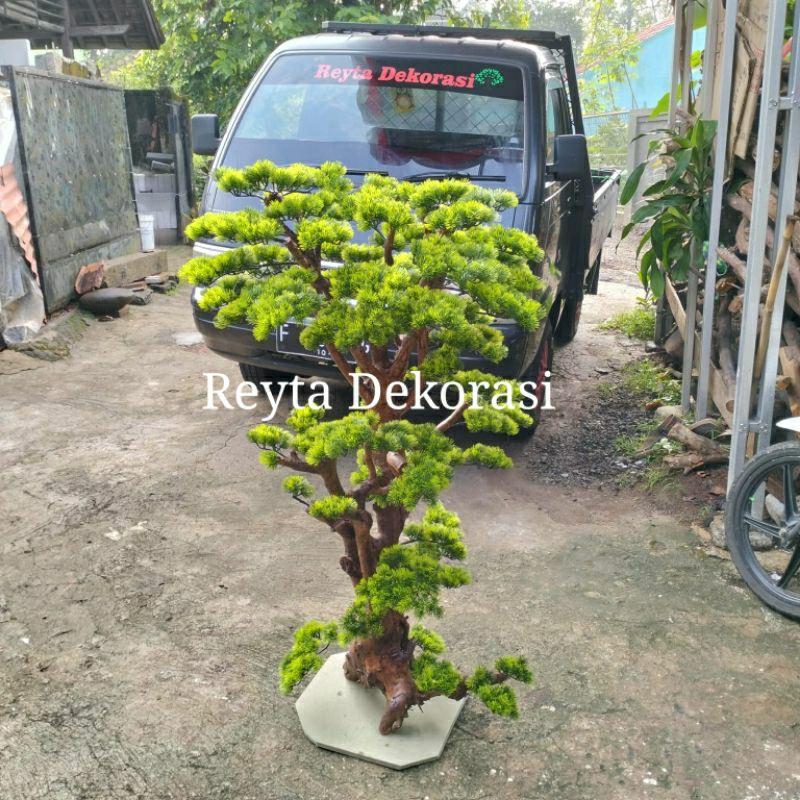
(594, 273)
(764, 581)
(568, 319)
(258, 374)
(542, 362)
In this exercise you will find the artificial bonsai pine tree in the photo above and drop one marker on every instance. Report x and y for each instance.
(402, 308)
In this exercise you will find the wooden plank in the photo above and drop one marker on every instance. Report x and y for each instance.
(792, 369)
(99, 30)
(46, 32)
(720, 396)
(676, 307)
(718, 390)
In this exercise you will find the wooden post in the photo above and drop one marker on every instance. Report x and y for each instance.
(66, 42)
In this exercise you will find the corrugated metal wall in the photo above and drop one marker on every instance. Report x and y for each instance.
(76, 158)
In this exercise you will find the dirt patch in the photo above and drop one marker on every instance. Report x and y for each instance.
(574, 446)
(580, 445)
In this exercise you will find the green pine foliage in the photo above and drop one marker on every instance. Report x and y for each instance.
(428, 640)
(332, 507)
(435, 675)
(298, 486)
(500, 699)
(408, 579)
(404, 306)
(304, 657)
(515, 667)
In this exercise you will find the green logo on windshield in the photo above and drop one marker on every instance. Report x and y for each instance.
(491, 76)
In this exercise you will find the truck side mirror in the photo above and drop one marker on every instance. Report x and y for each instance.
(205, 134)
(570, 158)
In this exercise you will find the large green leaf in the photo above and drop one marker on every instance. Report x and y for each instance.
(644, 268)
(657, 235)
(682, 158)
(700, 17)
(662, 106)
(648, 235)
(632, 183)
(627, 229)
(654, 189)
(656, 282)
(644, 212)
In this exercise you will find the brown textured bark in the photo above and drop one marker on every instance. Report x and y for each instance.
(745, 208)
(727, 363)
(385, 662)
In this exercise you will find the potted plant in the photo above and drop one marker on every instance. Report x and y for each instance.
(394, 317)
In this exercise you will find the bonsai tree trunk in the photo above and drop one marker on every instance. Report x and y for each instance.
(385, 662)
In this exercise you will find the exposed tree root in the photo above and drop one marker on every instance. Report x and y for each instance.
(385, 662)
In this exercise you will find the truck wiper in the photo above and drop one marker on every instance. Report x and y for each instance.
(359, 171)
(440, 174)
(367, 172)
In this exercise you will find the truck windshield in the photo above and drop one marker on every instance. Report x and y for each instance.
(403, 116)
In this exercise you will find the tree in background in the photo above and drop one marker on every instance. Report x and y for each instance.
(609, 59)
(390, 308)
(610, 54)
(561, 16)
(213, 49)
(635, 15)
(493, 14)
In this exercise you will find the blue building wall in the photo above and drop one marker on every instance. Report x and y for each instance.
(650, 79)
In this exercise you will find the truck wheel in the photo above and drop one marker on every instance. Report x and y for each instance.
(568, 320)
(542, 363)
(258, 374)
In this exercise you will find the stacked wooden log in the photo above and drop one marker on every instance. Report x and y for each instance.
(733, 251)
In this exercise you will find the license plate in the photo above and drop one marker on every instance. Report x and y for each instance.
(287, 342)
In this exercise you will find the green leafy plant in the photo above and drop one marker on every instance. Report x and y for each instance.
(638, 323)
(401, 308)
(677, 208)
(489, 14)
(650, 381)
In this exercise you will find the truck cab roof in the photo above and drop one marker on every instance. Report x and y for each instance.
(425, 39)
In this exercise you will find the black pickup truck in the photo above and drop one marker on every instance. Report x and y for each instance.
(499, 107)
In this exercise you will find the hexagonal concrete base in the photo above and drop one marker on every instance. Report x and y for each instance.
(340, 715)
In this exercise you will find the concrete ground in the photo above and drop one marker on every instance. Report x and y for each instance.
(152, 574)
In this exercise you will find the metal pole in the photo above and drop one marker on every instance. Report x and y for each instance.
(676, 64)
(790, 162)
(709, 58)
(767, 127)
(691, 284)
(686, 75)
(720, 157)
